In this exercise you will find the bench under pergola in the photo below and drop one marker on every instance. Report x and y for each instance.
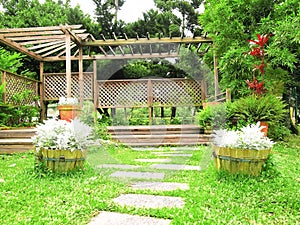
(67, 42)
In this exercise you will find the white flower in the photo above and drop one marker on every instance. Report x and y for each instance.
(63, 135)
(67, 101)
(249, 137)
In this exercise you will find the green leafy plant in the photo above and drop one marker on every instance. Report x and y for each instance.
(213, 116)
(254, 109)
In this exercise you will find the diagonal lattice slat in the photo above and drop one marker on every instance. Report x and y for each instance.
(19, 90)
(149, 93)
(131, 93)
(55, 86)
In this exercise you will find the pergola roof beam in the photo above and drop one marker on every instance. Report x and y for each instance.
(38, 42)
(146, 41)
(30, 29)
(45, 45)
(50, 48)
(24, 38)
(20, 48)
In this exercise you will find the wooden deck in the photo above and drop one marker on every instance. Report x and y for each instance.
(19, 140)
(16, 140)
(159, 135)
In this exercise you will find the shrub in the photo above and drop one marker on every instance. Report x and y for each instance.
(213, 116)
(258, 108)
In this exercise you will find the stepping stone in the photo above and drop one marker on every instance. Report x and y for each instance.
(153, 160)
(187, 148)
(159, 186)
(118, 166)
(145, 149)
(173, 154)
(143, 175)
(175, 167)
(149, 201)
(112, 218)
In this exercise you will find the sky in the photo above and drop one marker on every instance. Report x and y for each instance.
(131, 10)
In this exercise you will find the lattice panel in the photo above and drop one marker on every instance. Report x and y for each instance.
(156, 92)
(55, 86)
(175, 92)
(20, 90)
(122, 94)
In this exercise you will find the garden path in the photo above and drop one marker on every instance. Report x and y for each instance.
(147, 178)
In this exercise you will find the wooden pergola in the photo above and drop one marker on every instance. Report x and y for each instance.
(66, 43)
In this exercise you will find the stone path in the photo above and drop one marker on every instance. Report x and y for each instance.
(118, 166)
(148, 182)
(153, 160)
(143, 175)
(175, 167)
(149, 201)
(112, 218)
(159, 186)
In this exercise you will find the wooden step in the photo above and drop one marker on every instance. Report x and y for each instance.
(175, 135)
(154, 129)
(17, 133)
(9, 146)
(16, 140)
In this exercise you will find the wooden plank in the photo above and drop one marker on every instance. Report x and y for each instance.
(20, 48)
(146, 41)
(45, 45)
(26, 34)
(29, 29)
(59, 37)
(39, 41)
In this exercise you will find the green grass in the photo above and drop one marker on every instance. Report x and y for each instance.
(32, 197)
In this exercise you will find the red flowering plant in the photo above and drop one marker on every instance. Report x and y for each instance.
(258, 51)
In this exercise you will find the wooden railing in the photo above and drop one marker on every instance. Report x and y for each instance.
(221, 97)
(18, 90)
(55, 85)
(150, 93)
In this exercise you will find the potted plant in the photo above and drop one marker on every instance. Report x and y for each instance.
(252, 109)
(61, 145)
(69, 108)
(241, 151)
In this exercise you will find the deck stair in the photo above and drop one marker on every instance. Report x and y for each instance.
(16, 140)
(159, 135)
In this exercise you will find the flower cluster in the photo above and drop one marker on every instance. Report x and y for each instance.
(258, 51)
(68, 101)
(60, 134)
(249, 137)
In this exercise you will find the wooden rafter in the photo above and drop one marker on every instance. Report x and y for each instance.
(48, 44)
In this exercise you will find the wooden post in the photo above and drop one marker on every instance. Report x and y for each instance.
(95, 89)
(42, 93)
(228, 95)
(150, 100)
(216, 76)
(203, 90)
(80, 66)
(68, 65)
(3, 83)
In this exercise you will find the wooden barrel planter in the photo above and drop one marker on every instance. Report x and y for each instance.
(69, 112)
(60, 160)
(242, 161)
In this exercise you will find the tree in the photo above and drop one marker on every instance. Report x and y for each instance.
(105, 11)
(187, 10)
(232, 24)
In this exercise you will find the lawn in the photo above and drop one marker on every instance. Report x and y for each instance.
(32, 197)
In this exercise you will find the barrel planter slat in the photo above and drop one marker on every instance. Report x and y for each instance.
(60, 160)
(243, 161)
